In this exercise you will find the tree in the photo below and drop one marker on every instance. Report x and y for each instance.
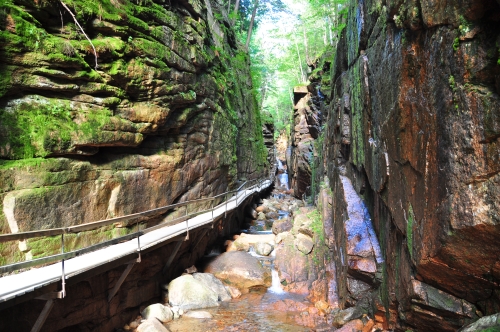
(252, 20)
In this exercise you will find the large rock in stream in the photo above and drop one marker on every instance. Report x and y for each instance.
(187, 293)
(239, 269)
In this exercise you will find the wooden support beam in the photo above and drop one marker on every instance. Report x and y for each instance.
(43, 316)
(172, 256)
(121, 280)
(51, 296)
(201, 238)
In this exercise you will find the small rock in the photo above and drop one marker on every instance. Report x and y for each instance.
(341, 317)
(198, 314)
(152, 325)
(260, 208)
(281, 236)
(261, 216)
(263, 248)
(235, 292)
(304, 243)
(322, 305)
(306, 231)
(282, 225)
(158, 311)
(272, 215)
(355, 325)
(191, 269)
(133, 325)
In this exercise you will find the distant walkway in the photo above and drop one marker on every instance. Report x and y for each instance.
(22, 283)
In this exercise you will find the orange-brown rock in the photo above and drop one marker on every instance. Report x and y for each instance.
(413, 125)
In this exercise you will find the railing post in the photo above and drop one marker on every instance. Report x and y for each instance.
(63, 277)
(139, 241)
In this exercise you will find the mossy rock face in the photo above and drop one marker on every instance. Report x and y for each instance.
(160, 115)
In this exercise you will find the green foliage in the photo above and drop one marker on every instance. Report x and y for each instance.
(283, 50)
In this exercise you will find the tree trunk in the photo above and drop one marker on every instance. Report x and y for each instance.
(308, 60)
(235, 12)
(300, 62)
(251, 23)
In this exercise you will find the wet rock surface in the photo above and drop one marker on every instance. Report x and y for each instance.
(302, 293)
(239, 269)
(412, 130)
(186, 292)
(307, 123)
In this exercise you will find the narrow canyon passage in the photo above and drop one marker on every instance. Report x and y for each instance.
(377, 121)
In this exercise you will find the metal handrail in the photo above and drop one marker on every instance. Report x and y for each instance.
(101, 223)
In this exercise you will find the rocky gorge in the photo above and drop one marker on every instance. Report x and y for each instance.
(389, 220)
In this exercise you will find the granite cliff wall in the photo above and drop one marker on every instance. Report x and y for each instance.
(414, 125)
(162, 113)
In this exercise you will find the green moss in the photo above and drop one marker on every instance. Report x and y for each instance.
(409, 230)
(317, 225)
(5, 79)
(358, 146)
(451, 82)
(456, 44)
(39, 127)
(491, 329)
(15, 164)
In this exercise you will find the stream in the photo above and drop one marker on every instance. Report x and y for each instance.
(255, 311)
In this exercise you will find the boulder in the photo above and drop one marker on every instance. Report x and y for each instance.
(214, 284)
(355, 325)
(152, 325)
(304, 243)
(198, 314)
(163, 313)
(272, 215)
(263, 248)
(239, 269)
(260, 208)
(282, 225)
(244, 241)
(188, 293)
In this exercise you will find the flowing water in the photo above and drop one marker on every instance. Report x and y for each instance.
(252, 312)
(282, 176)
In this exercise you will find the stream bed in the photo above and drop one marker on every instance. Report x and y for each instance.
(250, 312)
(258, 311)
